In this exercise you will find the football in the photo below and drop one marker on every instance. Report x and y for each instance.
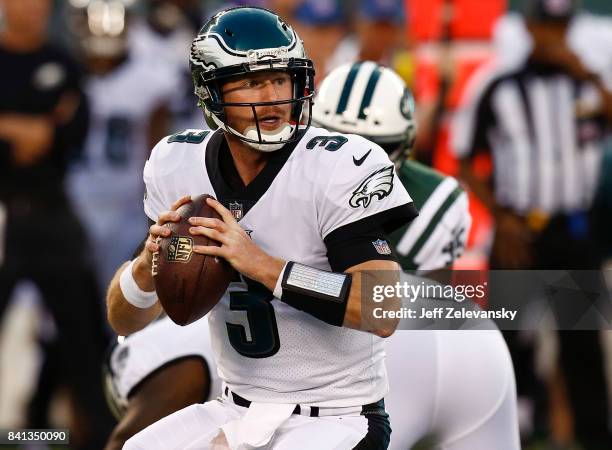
(189, 284)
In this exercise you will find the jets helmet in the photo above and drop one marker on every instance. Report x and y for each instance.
(246, 40)
(368, 99)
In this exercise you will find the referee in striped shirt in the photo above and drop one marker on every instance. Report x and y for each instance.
(543, 123)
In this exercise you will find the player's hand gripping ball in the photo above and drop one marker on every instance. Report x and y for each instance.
(189, 284)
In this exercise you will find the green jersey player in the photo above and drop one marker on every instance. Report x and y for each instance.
(373, 101)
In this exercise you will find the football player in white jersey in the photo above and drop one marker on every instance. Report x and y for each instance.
(129, 113)
(473, 408)
(301, 367)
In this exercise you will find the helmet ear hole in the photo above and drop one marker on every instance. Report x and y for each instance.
(214, 100)
(213, 108)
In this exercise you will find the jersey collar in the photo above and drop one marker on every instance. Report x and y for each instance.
(225, 179)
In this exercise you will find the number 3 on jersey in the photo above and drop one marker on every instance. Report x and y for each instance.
(261, 340)
(329, 143)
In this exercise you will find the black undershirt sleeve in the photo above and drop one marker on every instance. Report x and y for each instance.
(366, 239)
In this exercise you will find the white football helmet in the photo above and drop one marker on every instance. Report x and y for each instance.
(368, 99)
(243, 40)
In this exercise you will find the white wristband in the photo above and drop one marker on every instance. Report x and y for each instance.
(278, 288)
(132, 292)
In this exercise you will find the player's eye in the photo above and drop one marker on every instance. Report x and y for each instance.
(251, 83)
(281, 81)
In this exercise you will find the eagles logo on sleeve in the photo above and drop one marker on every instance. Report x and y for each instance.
(379, 185)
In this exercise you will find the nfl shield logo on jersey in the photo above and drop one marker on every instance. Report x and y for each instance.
(236, 210)
(382, 247)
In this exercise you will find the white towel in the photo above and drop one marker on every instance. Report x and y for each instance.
(257, 427)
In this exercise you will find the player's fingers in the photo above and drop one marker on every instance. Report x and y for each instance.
(212, 250)
(152, 246)
(159, 230)
(208, 222)
(209, 233)
(225, 214)
(181, 201)
(168, 216)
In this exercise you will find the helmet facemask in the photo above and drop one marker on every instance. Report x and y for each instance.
(208, 89)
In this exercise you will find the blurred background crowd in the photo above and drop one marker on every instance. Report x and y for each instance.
(87, 87)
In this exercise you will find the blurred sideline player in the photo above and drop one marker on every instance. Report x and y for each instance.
(129, 113)
(419, 363)
(44, 117)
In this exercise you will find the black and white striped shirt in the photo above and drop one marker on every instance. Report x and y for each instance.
(544, 131)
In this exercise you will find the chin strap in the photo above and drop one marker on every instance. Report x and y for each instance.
(251, 135)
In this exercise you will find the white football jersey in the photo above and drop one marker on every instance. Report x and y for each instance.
(266, 350)
(137, 356)
(116, 147)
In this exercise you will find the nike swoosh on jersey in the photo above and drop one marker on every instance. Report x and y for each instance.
(360, 161)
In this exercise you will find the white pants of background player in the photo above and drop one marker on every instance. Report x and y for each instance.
(458, 385)
(455, 385)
